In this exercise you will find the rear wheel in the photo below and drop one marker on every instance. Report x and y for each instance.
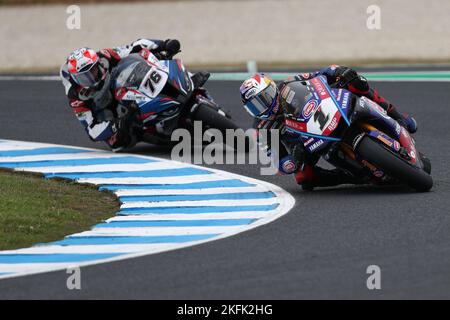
(214, 119)
(393, 165)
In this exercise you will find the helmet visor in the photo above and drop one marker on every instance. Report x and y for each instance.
(90, 77)
(262, 102)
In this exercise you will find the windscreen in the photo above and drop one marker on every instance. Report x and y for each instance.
(294, 96)
(130, 72)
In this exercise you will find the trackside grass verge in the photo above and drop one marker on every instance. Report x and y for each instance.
(35, 210)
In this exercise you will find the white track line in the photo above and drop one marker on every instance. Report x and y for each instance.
(30, 78)
(19, 145)
(156, 231)
(125, 167)
(29, 268)
(195, 216)
(65, 156)
(156, 180)
(197, 203)
(125, 248)
(161, 192)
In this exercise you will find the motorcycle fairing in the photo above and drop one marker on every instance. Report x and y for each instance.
(149, 93)
(319, 117)
(368, 111)
(178, 76)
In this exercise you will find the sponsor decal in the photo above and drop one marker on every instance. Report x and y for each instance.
(333, 124)
(338, 98)
(285, 92)
(305, 76)
(361, 103)
(288, 166)
(385, 140)
(251, 92)
(398, 129)
(249, 83)
(316, 145)
(396, 145)
(307, 142)
(412, 154)
(290, 96)
(345, 100)
(378, 173)
(296, 125)
(78, 54)
(309, 108)
(318, 86)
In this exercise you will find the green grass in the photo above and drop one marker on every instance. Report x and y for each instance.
(35, 210)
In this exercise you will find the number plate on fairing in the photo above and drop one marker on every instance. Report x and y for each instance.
(324, 119)
(153, 82)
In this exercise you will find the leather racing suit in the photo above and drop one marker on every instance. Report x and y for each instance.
(94, 108)
(294, 159)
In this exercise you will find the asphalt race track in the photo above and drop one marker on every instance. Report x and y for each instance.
(321, 249)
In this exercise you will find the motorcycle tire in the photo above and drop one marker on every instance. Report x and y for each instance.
(393, 165)
(212, 119)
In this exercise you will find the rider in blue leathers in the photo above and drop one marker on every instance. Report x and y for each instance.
(262, 99)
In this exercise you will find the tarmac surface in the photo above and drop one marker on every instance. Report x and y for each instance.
(320, 249)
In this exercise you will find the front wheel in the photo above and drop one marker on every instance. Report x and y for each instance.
(393, 165)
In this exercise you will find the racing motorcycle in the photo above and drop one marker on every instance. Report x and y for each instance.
(353, 133)
(157, 96)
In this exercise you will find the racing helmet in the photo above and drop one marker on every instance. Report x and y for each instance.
(85, 68)
(260, 96)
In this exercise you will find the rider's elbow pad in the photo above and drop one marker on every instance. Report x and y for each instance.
(287, 165)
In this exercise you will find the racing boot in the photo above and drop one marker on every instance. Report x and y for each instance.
(200, 78)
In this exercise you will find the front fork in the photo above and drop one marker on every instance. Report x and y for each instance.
(202, 96)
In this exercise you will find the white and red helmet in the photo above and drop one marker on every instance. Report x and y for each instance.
(84, 68)
(259, 95)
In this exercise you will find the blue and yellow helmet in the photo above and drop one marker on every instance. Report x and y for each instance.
(260, 96)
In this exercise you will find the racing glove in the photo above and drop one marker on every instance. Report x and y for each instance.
(123, 137)
(168, 49)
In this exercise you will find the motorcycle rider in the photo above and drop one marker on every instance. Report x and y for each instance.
(262, 99)
(86, 78)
